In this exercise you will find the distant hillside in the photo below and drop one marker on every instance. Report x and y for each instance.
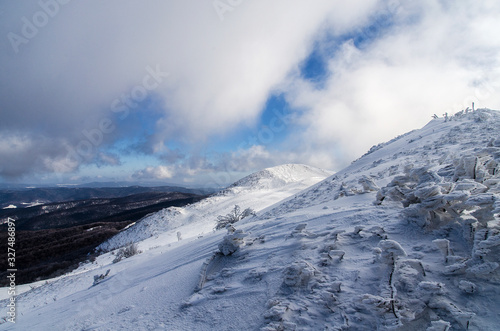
(27, 197)
(80, 212)
(54, 238)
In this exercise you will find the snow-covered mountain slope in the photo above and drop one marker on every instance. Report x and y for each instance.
(406, 238)
(256, 191)
(278, 177)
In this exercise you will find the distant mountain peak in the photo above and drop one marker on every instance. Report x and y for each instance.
(281, 175)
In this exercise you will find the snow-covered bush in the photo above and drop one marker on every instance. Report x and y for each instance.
(466, 167)
(382, 305)
(232, 241)
(489, 247)
(439, 326)
(427, 290)
(203, 272)
(390, 251)
(331, 256)
(330, 245)
(432, 201)
(126, 252)
(408, 275)
(483, 205)
(485, 255)
(100, 278)
(377, 231)
(234, 216)
(344, 191)
(368, 184)
(467, 287)
(299, 274)
(299, 230)
(484, 269)
(278, 315)
(444, 247)
(358, 229)
(461, 317)
(336, 254)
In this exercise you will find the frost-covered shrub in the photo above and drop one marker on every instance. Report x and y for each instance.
(439, 326)
(299, 274)
(489, 247)
(377, 231)
(467, 287)
(424, 175)
(391, 193)
(483, 269)
(485, 255)
(299, 231)
(469, 227)
(382, 305)
(430, 201)
(403, 188)
(279, 314)
(368, 184)
(463, 318)
(232, 241)
(357, 230)
(408, 275)
(344, 191)
(330, 245)
(483, 205)
(428, 290)
(466, 167)
(126, 252)
(471, 186)
(444, 247)
(203, 272)
(336, 254)
(234, 216)
(481, 116)
(480, 167)
(390, 251)
(100, 278)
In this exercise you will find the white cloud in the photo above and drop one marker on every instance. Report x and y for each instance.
(108, 159)
(436, 58)
(220, 73)
(255, 157)
(158, 172)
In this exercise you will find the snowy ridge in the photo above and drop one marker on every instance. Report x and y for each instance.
(279, 176)
(435, 144)
(256, 191)
(405, 238)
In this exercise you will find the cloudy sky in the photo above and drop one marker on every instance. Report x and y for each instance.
(203, 92)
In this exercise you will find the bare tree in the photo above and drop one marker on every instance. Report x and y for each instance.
(234, 216)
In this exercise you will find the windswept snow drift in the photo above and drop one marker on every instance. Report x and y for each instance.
(406, 237)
